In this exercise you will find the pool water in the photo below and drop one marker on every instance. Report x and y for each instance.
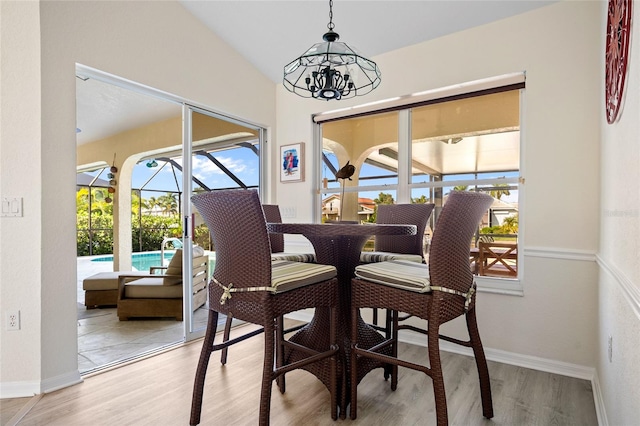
(142, 261)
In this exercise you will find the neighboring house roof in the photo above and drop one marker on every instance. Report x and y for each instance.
(502, 205)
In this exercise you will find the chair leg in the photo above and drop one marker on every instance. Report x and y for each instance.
(388, 333)
(354, 364)
(393, 326)
(436, 374)
(267, 374)
(225, 337)
(205, 353)
(481, 364)
(280, 380)
(333, 363)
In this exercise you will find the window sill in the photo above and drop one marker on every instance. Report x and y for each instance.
(510, 287)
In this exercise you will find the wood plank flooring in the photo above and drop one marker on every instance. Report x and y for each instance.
(157, 391)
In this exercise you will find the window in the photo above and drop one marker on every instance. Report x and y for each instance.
(420, 152)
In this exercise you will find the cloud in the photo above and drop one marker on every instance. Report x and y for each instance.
(203, 167)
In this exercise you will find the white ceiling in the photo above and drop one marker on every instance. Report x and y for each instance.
(270, 34)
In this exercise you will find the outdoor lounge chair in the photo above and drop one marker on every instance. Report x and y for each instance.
(161, 295)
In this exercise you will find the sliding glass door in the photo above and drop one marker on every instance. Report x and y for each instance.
(218, 153)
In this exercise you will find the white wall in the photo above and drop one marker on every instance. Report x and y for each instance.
(158, 44)
(20, 176)
(558, 48)
(619, 287)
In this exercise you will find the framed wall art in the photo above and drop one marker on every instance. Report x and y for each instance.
(291, 162)
(616, 55)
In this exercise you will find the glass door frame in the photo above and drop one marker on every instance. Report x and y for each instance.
(192, 333)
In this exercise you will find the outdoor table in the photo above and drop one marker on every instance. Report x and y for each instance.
(493, 260)
(340, 245)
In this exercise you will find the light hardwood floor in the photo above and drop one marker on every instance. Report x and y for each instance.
(157, 391)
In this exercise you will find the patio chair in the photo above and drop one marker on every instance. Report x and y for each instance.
(161, 296)
(248, 285)
(440, 291)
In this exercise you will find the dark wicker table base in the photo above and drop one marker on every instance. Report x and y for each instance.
(343, 252)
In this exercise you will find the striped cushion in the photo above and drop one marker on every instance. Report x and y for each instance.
(295, 257)
(402, 274)
(286, 275)
(383, 256)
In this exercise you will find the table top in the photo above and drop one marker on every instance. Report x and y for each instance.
(340, 229)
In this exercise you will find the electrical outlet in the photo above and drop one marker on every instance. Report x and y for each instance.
(13, 320)
(610, 349)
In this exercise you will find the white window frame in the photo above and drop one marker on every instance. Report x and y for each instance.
(511, 286)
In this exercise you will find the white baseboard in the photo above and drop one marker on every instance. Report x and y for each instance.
(598, 399)
(511, 358)
(31, 388)
(19, 389)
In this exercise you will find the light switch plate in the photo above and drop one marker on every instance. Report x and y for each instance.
(11, 206)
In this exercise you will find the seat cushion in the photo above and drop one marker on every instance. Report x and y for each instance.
(383, 256)
(107, 280)
(174, 269)
(286, 275)
(151, 288)
(397, 273)
(295, 257)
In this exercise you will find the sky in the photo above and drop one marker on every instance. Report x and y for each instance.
(244, 164)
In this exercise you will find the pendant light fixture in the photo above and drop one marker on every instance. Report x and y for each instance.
(331, 70)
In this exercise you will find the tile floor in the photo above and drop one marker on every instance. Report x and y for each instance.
(103, 340)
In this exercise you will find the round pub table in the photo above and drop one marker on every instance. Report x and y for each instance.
(338, 244)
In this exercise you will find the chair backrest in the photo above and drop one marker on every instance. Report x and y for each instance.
(272, 215)
(451, 242)
(412, 214)
(238, 228)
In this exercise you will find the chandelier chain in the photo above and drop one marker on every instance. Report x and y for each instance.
(330, 25)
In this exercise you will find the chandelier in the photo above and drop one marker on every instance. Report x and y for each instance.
(331, 70)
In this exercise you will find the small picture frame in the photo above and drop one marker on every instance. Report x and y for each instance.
(291, 163)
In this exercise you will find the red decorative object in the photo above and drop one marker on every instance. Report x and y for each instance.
(616, 55)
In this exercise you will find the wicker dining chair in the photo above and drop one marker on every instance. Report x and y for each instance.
(272, 215)
(439, 291)
(247, 285)
(406, 247)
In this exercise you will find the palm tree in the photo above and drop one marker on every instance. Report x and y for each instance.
(461, 188)
(168, 203)
(420, 200)
(384, 199)
(149, 203)
(510, 224)
(499, 190)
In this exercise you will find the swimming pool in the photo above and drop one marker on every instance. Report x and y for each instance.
(142, 261)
